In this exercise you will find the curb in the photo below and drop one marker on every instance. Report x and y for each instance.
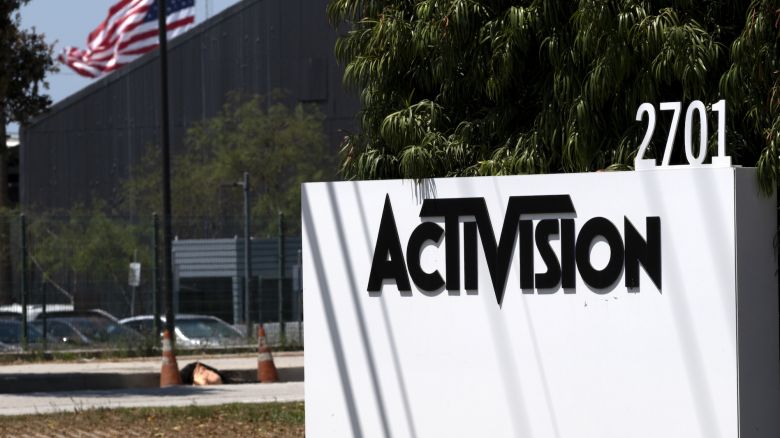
(59, 382)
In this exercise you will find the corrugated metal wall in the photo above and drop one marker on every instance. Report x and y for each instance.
(198, 261)
(89, 142)
(195, 258)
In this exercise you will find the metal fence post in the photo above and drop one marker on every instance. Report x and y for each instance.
(43, 310)
(155, 277)
(280, 274)
(259, 301)
(247, 257)
(23, 283)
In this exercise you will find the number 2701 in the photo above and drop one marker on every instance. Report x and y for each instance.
(696, 108)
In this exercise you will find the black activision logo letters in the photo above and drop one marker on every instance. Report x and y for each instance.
(389, 264)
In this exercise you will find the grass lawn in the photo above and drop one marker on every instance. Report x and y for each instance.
(283, 420)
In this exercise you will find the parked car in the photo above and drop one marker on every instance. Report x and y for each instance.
(62, 332)
(192, 330)
(11, 332)
(87, 327)
(10, 316)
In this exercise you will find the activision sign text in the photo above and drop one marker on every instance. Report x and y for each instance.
(556, 217)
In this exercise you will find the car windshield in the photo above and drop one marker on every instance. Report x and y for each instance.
(205, 328)
(145, 326)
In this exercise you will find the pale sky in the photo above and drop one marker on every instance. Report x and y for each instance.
(67, 23)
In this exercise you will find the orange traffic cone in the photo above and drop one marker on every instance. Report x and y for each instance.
(266, 370)
(169, 373)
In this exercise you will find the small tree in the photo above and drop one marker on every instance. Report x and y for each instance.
(88, 245)
(25, 58)
(280, 147)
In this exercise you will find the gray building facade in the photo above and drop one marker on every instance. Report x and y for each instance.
(89, 142)
(85, 146)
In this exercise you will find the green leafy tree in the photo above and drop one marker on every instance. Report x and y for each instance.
(25, 58)
(474, 87)
(752, 85)
(280, 147)
(87, 245)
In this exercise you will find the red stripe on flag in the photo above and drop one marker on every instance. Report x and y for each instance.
(112, 36)
(110, 26)
(121, 38)
(153, 33)
(111, 12)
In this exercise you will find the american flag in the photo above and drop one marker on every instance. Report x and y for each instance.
(129, 31)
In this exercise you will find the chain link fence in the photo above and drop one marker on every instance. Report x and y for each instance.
(91, 281)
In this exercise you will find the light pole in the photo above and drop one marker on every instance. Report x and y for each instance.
(167, 272)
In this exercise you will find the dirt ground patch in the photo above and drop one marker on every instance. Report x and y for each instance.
(282, 420)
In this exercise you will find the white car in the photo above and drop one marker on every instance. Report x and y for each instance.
(192, 330)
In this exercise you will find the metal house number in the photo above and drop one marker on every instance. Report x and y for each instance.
(695, 156)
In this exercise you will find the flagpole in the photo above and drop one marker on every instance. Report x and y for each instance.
(167, 272)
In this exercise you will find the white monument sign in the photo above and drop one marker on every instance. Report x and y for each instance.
(614, 304)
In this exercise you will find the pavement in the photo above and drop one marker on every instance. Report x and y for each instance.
(71, 386)
(70, 401)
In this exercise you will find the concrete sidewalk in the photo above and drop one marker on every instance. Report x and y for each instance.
(132, 373)
(39, 403)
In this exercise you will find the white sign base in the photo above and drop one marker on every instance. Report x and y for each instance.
(696, 357)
